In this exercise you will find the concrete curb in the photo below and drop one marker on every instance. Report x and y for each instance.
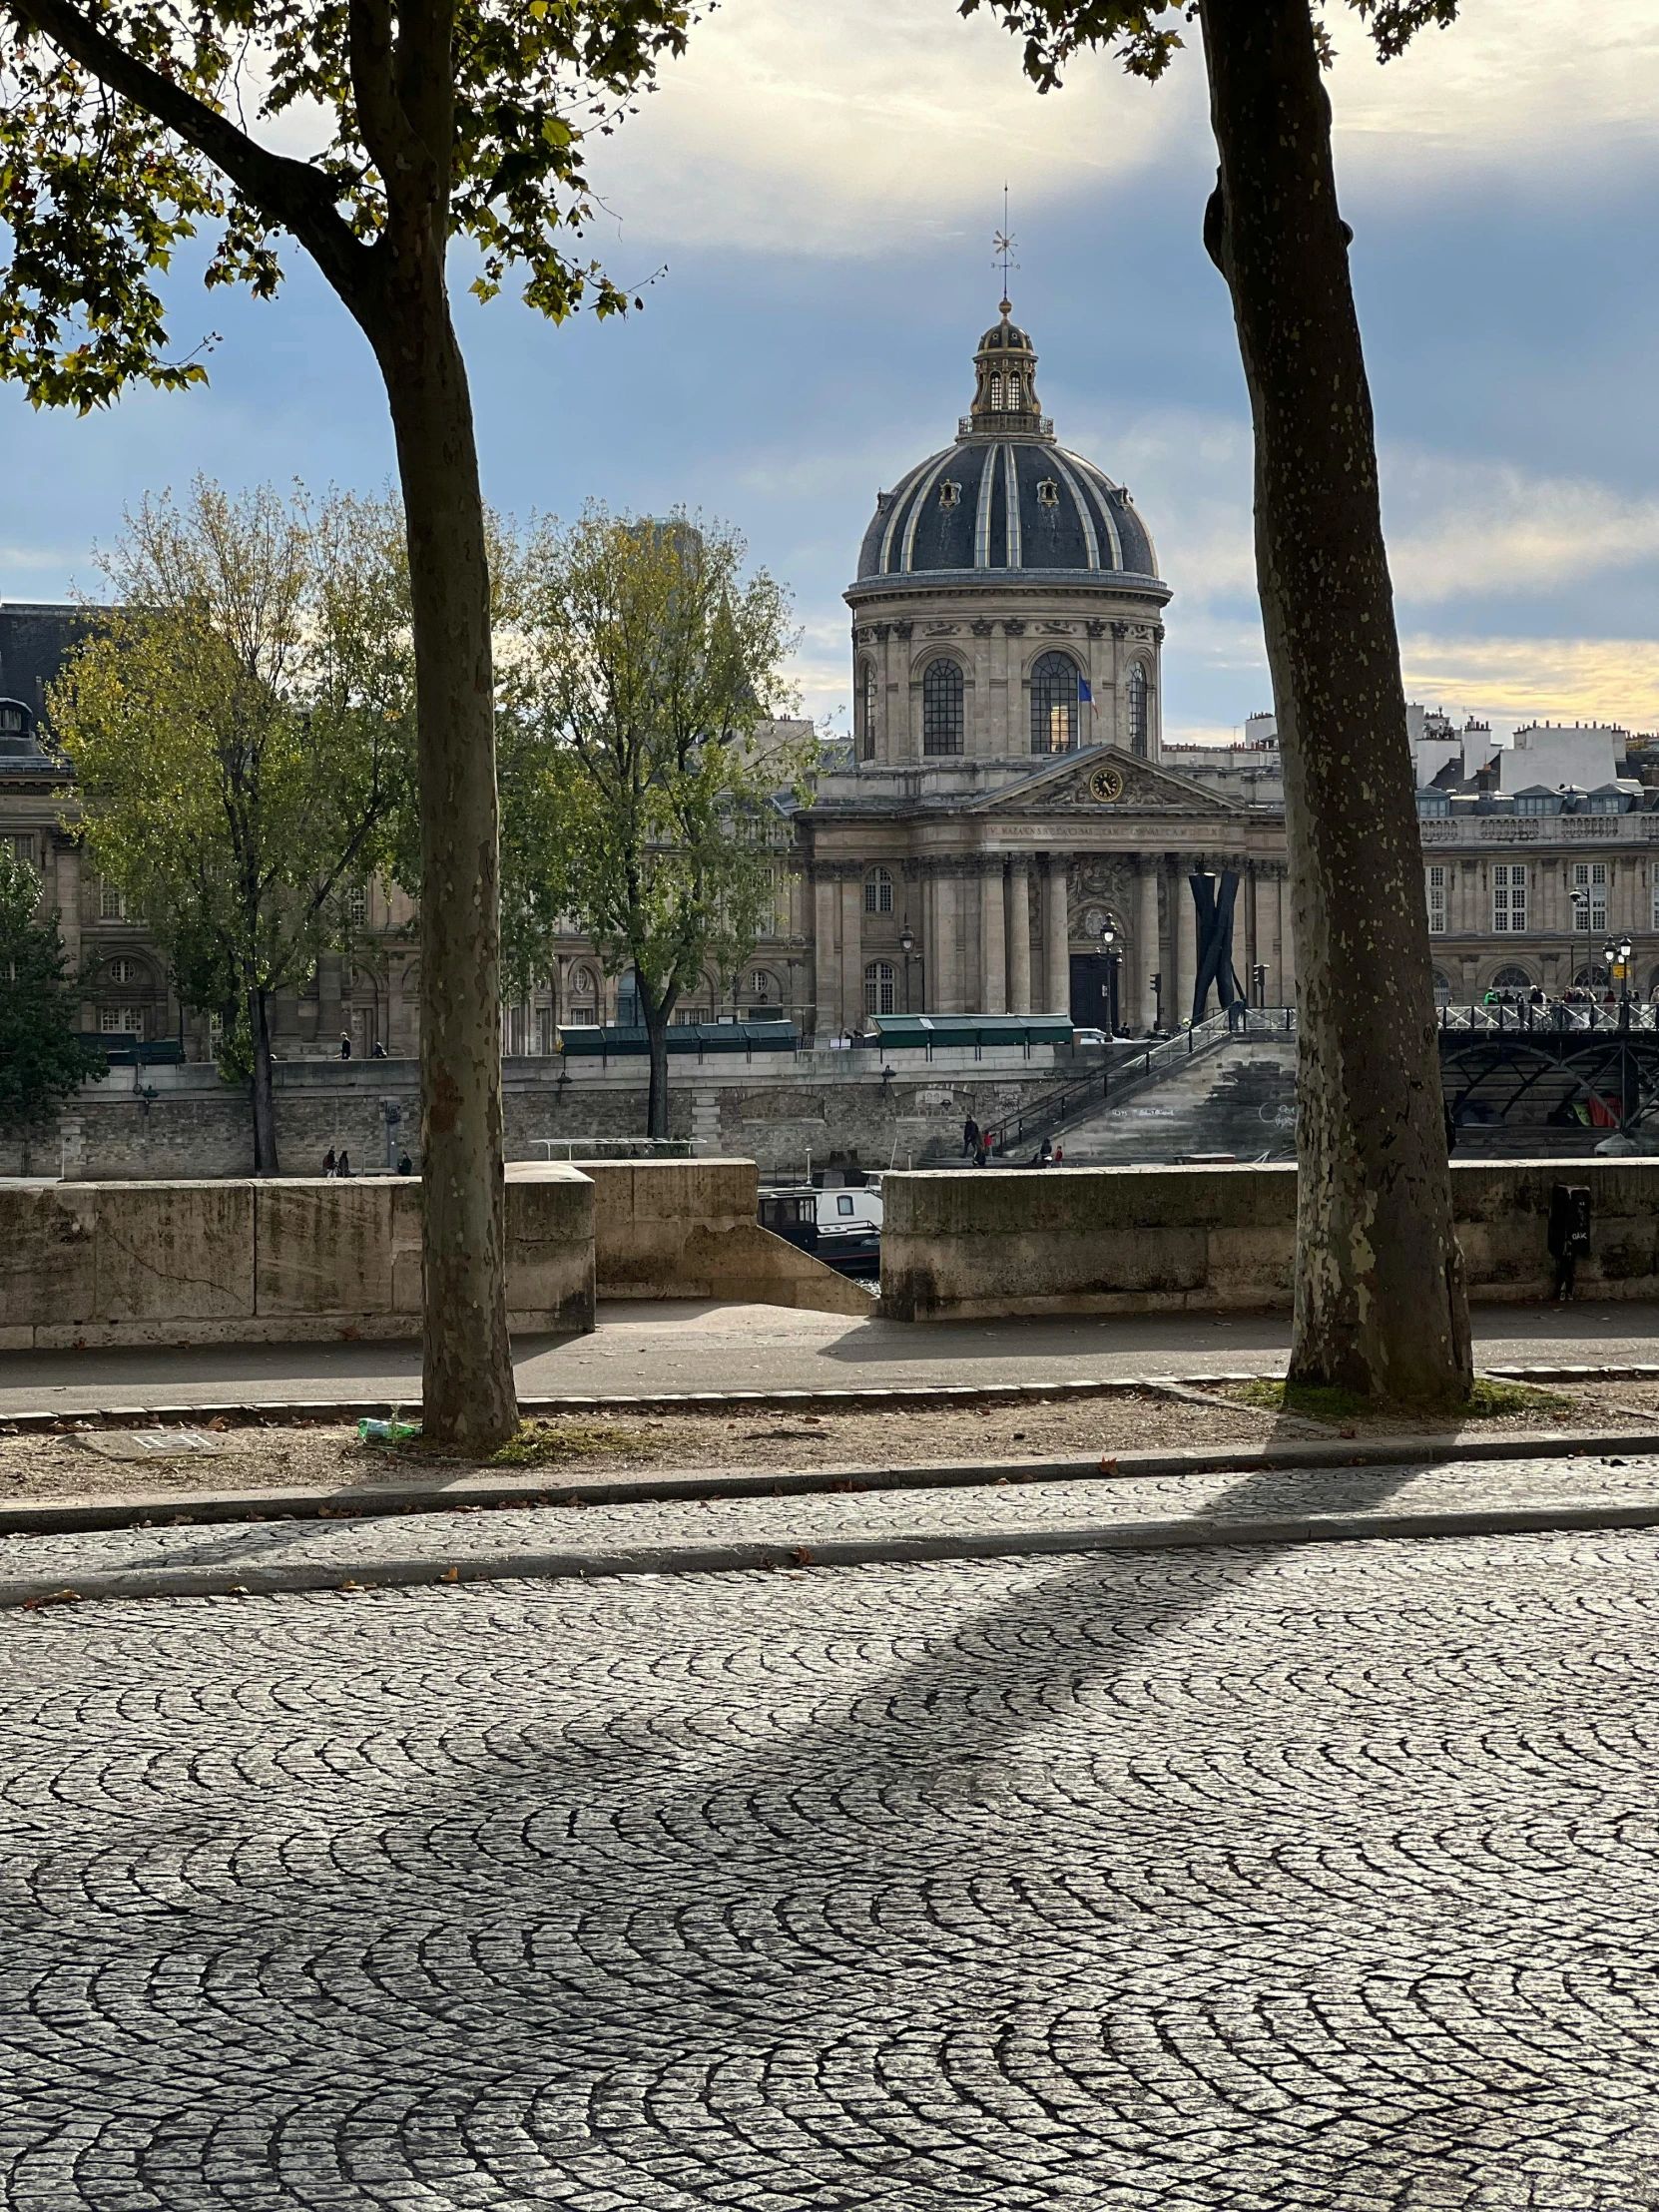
(477, 1494)
(333, 1412)
(1564, 1517)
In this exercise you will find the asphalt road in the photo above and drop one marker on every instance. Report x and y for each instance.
(681, 1345)
(1271, 1880)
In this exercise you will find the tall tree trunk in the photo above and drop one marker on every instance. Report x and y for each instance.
(656, 1038)
(1381, 1303)
(265, 1099)
(467, 1373)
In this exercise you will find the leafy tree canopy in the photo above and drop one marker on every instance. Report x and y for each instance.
(1146, 33)
(639, 765)
(42, 1060)
(128, 127)
(243, 733)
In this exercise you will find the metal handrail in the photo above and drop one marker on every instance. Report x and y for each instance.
(1046, 1116)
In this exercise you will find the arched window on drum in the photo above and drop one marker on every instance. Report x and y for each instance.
(879, 891)
(1054, 704)
(866, 712)
(1139, 711)
(942, 720)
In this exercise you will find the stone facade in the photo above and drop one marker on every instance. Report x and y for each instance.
(1004, 798)
(1569, 880)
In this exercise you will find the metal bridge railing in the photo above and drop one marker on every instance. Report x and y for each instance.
(1553, 1018)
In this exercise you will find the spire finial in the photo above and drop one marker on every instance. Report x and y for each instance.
(1002, 253)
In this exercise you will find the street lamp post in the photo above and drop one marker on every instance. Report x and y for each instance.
(1616, 952)
(907, 945)
(1109, 946)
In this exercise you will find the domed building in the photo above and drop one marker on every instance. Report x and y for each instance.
(1008, 802)
(992, 551)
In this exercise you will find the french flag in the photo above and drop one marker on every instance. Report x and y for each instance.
(1085, 697)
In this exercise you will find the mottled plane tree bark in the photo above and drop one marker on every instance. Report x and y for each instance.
(129, 126)
(1381, 1303)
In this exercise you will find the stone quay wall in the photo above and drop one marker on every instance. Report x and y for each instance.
(688, 1229)
(970, 1246)
(242, 1261)
(184, 1123)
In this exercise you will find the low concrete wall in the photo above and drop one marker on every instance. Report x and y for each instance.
(688, 1229)
(964, 1247)
(266, 1263)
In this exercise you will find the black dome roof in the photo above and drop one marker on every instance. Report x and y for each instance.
(986, 505)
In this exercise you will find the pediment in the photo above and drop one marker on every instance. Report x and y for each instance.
(1102, 779)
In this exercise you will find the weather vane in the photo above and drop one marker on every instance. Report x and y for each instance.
(1002, 251)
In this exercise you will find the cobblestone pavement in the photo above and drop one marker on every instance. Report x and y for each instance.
(1307, 1880)
(742, 1531)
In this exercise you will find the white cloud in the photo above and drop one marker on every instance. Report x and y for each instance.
(1511, 680)
(1511, 86)
(1456, 529)
(1470, 528)
(872, 123)
(878, 124)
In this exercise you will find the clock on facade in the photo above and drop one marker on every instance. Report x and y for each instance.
(1106, 784)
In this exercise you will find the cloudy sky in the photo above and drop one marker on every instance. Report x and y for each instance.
(818, 181)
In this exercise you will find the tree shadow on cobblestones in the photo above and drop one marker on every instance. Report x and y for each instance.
(1201, 1879)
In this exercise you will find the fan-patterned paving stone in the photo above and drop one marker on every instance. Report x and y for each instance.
(1317, 1879)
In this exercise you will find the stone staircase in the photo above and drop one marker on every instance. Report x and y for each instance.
(1238, 1098)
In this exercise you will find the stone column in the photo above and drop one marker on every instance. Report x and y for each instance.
(851, 1011)
(827, 966)
(1019, 935)
(329, 1023)
(946, 986)
(1057, 936)
(1148, 955)
(1288, 938)
(69, 916)
(1186, 938)
(993, 973)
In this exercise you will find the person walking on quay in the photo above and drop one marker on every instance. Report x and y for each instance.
(970, 1138)
(346, 1045)
(329, 1161)
(344, 1167)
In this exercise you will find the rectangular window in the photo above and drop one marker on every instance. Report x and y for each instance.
(1436, 899)
(356, 905)
(121, 1021)
(1589, 896)
(23, 849)
(112, 906)
(1656, 894)
(1508, 898)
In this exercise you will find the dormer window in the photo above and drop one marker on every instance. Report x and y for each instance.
(1048, 493)
(950, 494)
